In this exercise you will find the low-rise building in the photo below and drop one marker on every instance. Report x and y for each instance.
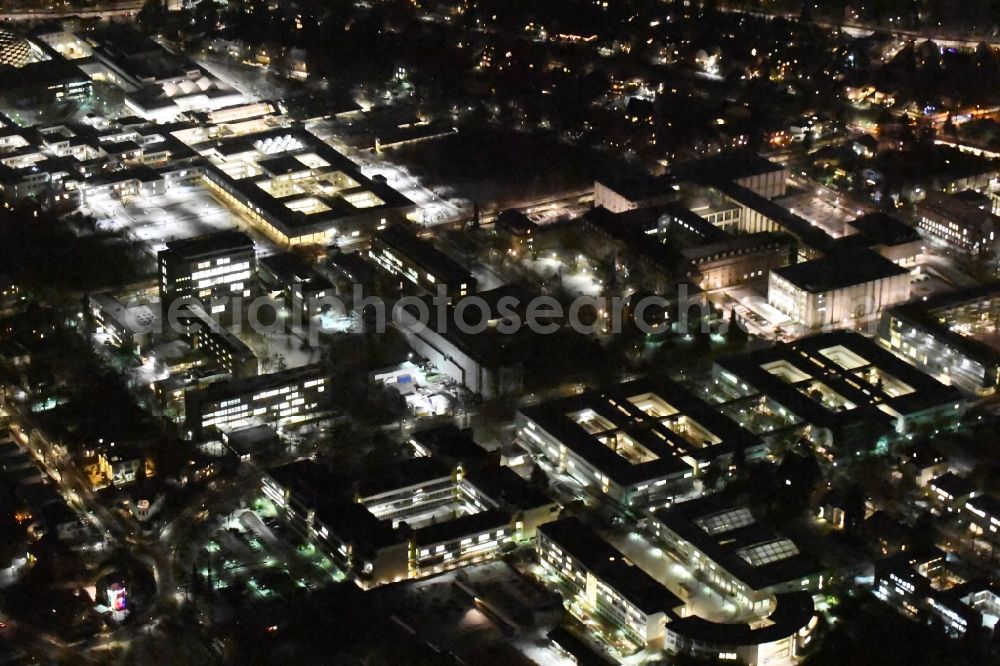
(951, 490)
(473, 351)
(599, 582)
(598, 577)
(624, 194)
(410, 519)
(983, 513)
(740, 167)
(305, 292)
(922, 585)
(735, 553)
(128, 328)
(962, 225)
(223, 349)
(399, 251)
(896, 241)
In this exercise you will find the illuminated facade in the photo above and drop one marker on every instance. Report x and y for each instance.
(841, 289)
(640, 443)
(282, 398)
(411, 519)
(599, 583)
(399, 251)
(212, 269)
(840, 386)
(949, 336)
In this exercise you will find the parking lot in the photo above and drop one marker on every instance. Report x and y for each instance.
(182, 212)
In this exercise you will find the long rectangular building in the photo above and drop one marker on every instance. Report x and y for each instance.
(951, 336)
(288, 397)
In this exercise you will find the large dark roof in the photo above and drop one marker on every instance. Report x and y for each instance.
(230, 240)
(792, 611)
(844, 268)
(806, 355)
(805, 231)
(670, 448)
(425, 254)
(725, 167)
(884, 229)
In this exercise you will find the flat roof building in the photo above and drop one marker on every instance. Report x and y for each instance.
(844, 288)
(599, 582)
(410, 519)
(638, 443)
(950, 219)
(296, 189)
(282, 398)
(305, 291)
(213, 269)
(740, 167)
(739, 555)
(951, 336)
(399, 251)
(840, 386)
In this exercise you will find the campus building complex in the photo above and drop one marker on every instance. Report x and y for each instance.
(296, 189)
(838, 387)
(734, 552)
(410, 519)
(951, 336)
(639, 443)
(601, 585)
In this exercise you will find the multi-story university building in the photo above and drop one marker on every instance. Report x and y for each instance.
(410, 519)
(216, 267)
(282, 398)
(600, 583)
(642, 442)
(734, 552)
(838, 290)
(950, 336)
(923, 585)
(401, 252)
(959, 223)
(838, 387)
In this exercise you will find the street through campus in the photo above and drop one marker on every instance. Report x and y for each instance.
(709, 366)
